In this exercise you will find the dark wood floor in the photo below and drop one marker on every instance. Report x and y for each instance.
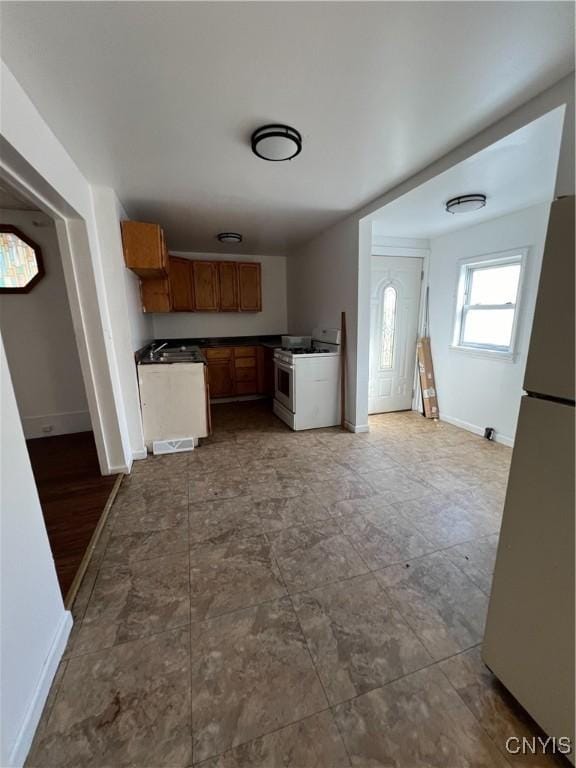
(73, 495)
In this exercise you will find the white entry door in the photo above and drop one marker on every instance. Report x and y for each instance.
(395, 301)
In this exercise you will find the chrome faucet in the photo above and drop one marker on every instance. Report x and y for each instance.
(154, 350)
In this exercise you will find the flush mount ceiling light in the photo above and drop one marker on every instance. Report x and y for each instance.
(276, 142)
(465, 203)
(229, 237)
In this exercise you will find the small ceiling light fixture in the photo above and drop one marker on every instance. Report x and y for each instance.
(276, 142)
(229, 237)
(465, 203)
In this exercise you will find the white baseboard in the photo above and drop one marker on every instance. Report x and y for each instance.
(141, 453)
(498, 438)
(25, 736)
(121, 469)
(356, 427)
(50, 424)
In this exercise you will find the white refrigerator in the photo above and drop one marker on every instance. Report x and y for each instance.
(529, 640)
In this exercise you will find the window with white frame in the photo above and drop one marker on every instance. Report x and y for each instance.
(487, 304)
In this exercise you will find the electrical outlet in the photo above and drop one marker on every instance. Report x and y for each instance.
(47, 428)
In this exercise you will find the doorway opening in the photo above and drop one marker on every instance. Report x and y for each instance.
(43, 358)
(396, 286)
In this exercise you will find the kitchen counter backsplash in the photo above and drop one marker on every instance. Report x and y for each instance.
(272, 341)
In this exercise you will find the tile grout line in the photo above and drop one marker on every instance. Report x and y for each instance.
(473, 714)
(190, 660)
(337, 519)
(240, 744)
(370, 571)
(145, 636)
(315, 668)
(331, 707)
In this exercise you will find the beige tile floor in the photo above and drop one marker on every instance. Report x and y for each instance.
(292, 599)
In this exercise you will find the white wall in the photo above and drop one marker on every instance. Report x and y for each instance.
(272, 319)
(34, 162)
(341, 255)
(34, 623)
(40, 343)
(123, 296)
(322, 283)
(562, 93)
(475, 391)
(34, 626)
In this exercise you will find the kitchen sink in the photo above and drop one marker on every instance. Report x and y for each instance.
(178, 355)
(181, 354)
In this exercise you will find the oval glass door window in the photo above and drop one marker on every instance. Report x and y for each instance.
(388, 327)
(20, 261)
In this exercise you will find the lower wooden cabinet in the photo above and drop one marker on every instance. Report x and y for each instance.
(238, 371)
(246, 370)
(266, 371)
(221, 376)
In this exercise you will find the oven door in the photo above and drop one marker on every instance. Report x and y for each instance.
(284, 384)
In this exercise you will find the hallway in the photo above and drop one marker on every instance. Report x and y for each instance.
(291, 599)
(73, 494)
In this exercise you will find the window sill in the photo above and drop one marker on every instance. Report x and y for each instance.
(487, 354)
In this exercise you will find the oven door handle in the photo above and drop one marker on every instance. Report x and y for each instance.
(283, 366)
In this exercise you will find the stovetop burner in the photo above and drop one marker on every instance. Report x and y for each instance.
(304, 350)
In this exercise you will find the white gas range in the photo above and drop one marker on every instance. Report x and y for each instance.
(307, 380)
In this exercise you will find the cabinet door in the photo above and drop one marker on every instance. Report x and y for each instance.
(181, 284)
(144, 249)
(228, 280)
(250, 289)
(266, 371)
(206, 293)
(246, 370)
(221, 378)
(155, 295)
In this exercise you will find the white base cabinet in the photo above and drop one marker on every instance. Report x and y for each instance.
(173, 399)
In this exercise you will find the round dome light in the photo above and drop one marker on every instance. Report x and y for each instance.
(229, 237)
(276, 142)
(465, 203)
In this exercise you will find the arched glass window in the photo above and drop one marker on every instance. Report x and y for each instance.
(388, 327)
(20, 261)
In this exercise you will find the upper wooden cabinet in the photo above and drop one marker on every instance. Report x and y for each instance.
(228, 279)
(206, 286)
(250, 287)
(181, 284)
(156, 295)
(144, 249)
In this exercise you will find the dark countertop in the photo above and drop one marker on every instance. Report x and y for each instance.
(272, 342)
(226, 341)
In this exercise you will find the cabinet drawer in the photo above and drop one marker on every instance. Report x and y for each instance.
(218, 353)
(245, 362)
(247, 374)
(244, 351)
